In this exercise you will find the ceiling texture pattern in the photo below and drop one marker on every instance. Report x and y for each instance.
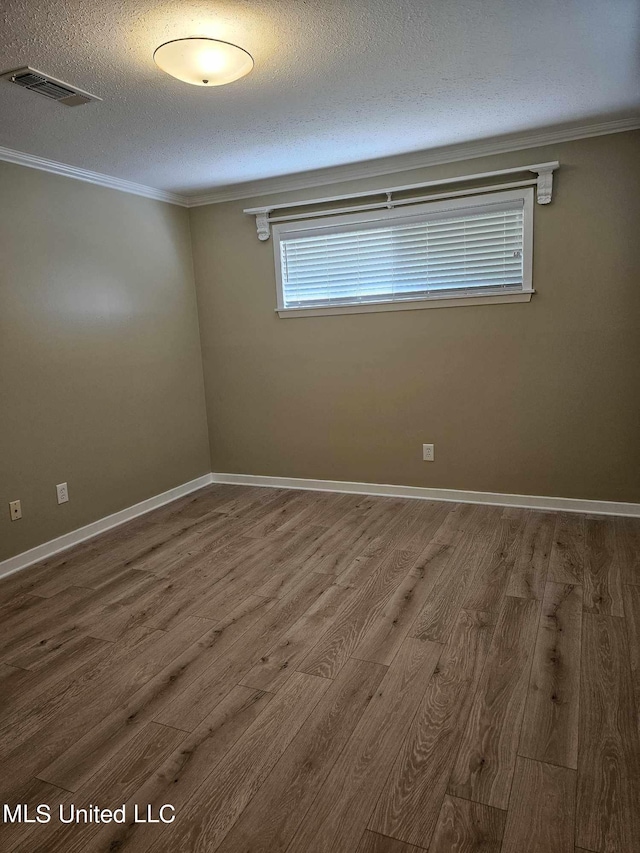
(335, 81)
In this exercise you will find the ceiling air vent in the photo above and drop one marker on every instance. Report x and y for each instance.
(51, 88)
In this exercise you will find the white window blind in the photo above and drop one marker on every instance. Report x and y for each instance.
(434, 252)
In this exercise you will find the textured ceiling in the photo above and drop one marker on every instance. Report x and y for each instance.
(335, 81)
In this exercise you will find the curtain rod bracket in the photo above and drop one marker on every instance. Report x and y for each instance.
(544, 188)
(262, 224)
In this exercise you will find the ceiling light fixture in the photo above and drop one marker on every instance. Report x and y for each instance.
(203, 61)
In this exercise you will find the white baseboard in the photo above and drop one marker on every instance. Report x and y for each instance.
(68, 540)
(62, 543)
(426, 494)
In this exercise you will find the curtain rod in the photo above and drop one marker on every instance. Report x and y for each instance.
(543, 183)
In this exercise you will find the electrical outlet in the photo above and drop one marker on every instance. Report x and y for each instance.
(15, 510)
(428, 452)
(63, 493)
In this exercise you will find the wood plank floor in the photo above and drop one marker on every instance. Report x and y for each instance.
(302, 672)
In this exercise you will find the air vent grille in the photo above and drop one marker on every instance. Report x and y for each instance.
(42, 86)
(49, 87)
(27, 79)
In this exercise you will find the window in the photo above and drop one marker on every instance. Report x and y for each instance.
(442, 253)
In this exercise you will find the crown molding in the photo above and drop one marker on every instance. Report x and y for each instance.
(33, 162)
(333, 174)
(415, 160)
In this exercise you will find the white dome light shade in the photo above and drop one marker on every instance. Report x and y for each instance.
(202, 61)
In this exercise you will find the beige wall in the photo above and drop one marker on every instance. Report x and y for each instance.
(100, 369)
(540, 398)
(101, 372)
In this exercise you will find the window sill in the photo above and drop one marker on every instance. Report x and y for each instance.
(408, 305)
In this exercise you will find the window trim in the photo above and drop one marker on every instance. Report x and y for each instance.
(446, 300)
